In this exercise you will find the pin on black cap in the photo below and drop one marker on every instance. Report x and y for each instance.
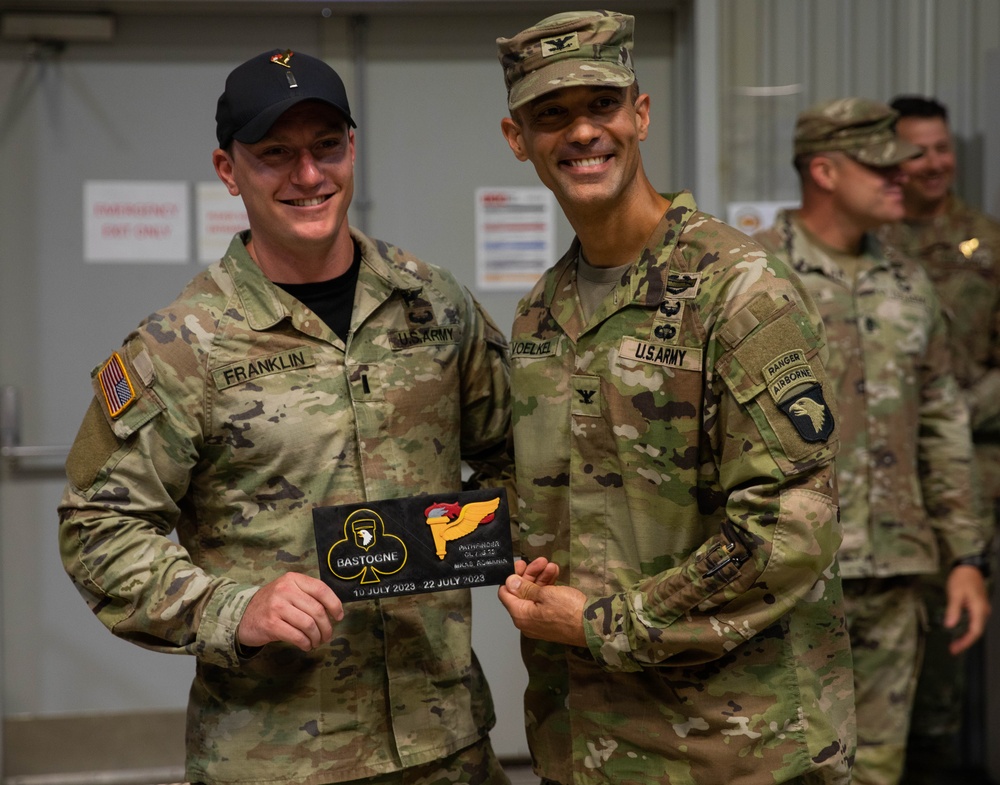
(263, 88)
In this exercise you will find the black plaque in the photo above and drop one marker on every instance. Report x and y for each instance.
(416, 544)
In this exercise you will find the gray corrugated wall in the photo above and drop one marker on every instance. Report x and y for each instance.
(780, 56)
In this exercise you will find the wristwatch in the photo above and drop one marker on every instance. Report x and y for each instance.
(980, 561)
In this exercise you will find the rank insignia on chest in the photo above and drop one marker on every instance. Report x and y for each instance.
(119, 393)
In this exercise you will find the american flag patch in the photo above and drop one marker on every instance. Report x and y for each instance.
(118, 391)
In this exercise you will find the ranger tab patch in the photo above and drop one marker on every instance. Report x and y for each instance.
(796, 391)
(787, 372)
(119, 393)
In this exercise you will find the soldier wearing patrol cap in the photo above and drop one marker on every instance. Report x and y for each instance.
(276, 383)
(904, 465)
(675, 437)
(959, 248)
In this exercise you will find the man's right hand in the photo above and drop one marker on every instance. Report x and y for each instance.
(294, 608)
(540, 571)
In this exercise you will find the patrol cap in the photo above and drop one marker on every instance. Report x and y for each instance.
(567, 50)
(263, 88)
(858, 127)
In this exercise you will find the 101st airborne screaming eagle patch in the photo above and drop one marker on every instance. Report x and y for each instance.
(797, 392)
(415, 544)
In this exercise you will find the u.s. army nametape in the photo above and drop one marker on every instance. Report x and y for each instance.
(416, 544)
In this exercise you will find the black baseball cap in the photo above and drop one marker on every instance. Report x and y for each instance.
(263, 88)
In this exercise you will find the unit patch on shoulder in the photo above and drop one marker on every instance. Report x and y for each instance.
(809, 413)
(797, 393)
(119, 393)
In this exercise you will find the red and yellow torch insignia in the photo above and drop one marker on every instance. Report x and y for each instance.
(450, 521)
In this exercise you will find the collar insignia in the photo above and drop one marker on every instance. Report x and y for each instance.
(969, 247)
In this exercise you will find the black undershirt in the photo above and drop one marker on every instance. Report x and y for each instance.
(333, 300)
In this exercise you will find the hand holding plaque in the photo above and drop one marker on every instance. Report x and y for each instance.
(416, 544)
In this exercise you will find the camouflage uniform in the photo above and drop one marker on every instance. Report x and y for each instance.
(664, 465)
(247, 413)
(959, 250)
(903, 467)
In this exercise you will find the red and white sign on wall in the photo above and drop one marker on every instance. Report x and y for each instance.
(131, 221)
(515, 236)
(220, 215)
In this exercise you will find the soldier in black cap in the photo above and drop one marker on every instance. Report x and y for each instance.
(271, 386)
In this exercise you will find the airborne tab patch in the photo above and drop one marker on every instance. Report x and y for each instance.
(786, 372)
(796, 391)
(119, 393)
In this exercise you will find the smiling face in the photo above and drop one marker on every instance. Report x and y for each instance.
(583, 142)
(931, 176)
(297, 181)
(868, 195)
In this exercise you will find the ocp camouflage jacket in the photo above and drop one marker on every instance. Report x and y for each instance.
(674, 458)
(247, 412)
(904, 465)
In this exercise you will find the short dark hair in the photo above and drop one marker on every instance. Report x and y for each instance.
(801, 163)
(918, 106)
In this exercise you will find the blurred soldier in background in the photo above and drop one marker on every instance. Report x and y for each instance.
(958, 247)
(904, 465)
